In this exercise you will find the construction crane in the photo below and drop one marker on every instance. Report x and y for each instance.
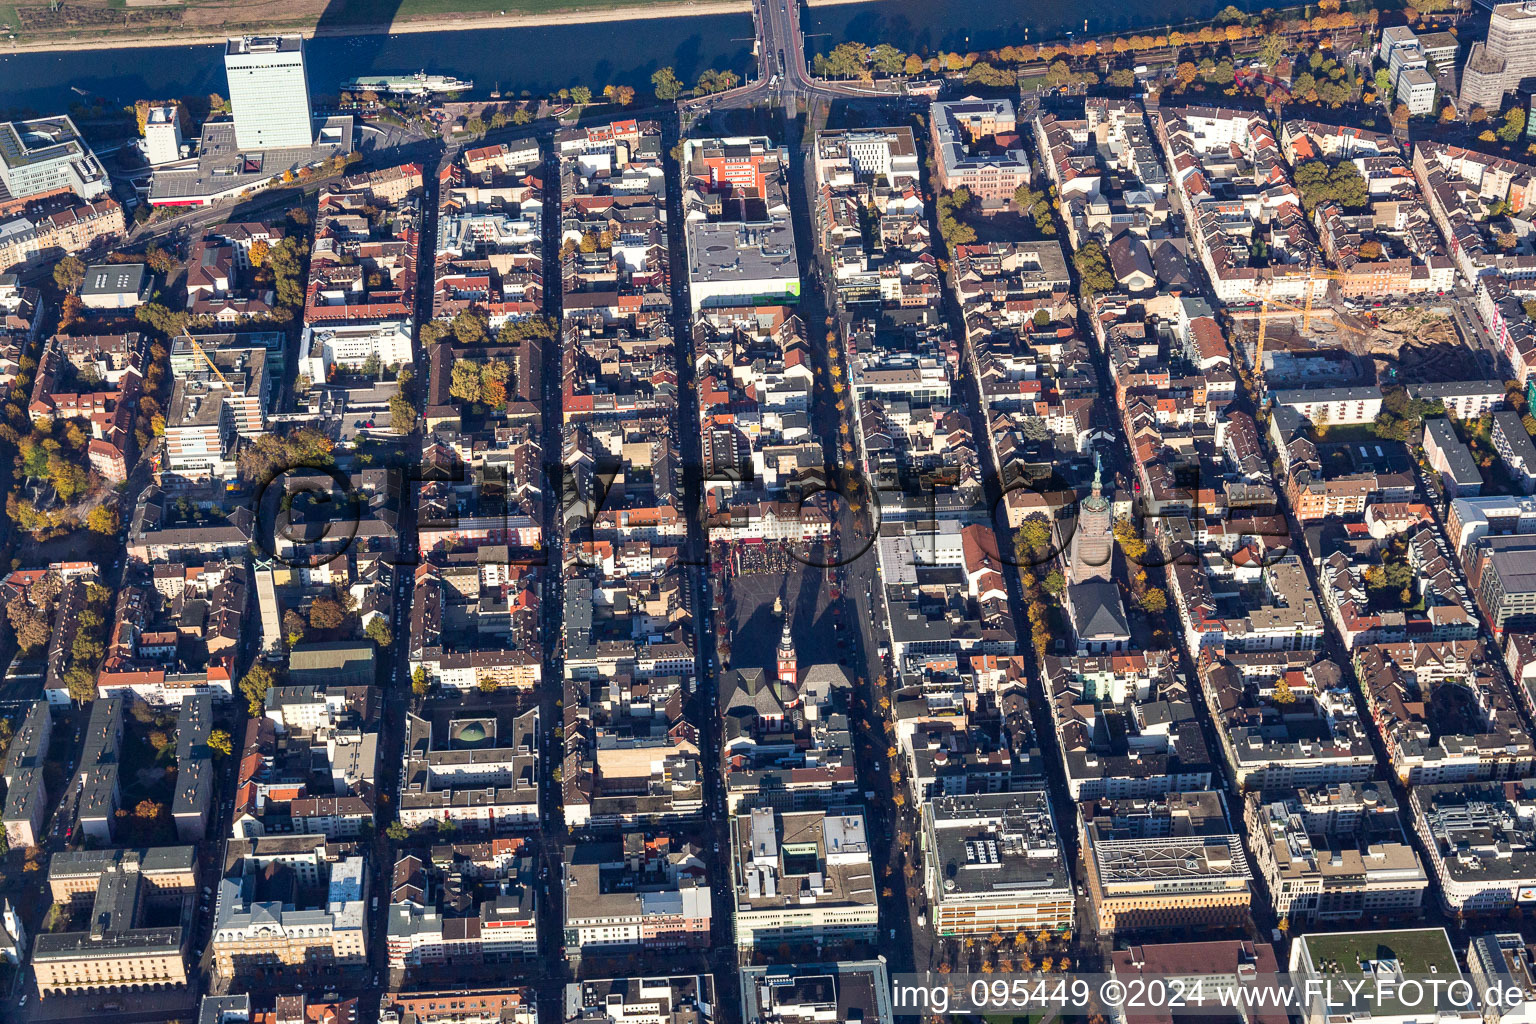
(1305, 309)
(209, 360)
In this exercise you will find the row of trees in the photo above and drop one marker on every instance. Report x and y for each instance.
(952, 207)
(667, 86)
(999, 66)
(272, 454)
(471, 327)
(89, 644)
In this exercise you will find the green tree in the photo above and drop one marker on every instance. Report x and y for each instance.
(81, 684)
(420, 684)
(520, 116)
(665, 84)
(1341, 183)
(397, 832)
(1093, 270)
(219, 742)
(254, 688)
(432, 332)
(402, 414)
(294, 628)
(1513, 126)
(470, 327)
(464, 382)
(272, 454)
(581, 95)
(102, 519)
(377, 630)
(1383, 83)
(69, 274)
(326, 613)
(1271, 50)
(888, 60)
(951, 206)
(1283, 694)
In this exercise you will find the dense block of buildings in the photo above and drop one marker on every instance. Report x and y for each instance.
(1334, 853)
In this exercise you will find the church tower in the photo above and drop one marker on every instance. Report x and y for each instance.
(789, 671)
(1093, 543)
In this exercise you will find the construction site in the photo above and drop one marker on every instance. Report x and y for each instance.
(1330, 344)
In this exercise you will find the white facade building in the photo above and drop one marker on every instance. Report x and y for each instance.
(162, 136)
(268, 92)
(350, 345)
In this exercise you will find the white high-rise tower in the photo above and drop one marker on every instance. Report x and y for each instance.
(268, 92)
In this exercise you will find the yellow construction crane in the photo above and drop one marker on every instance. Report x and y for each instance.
(209, 360)
(1305, 309)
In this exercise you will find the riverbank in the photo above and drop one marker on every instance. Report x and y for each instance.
(181, 36)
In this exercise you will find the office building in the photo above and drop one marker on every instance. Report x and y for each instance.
(976, 142)
(1502, 572)
(848, 990)
(115, 285)
(801, 877)
(351, 345)
(1400, 49)
(741, 245)
(995, 862)
(26, 795)
(1471, 519)
(1326, 966)
(477, 770)
(1206, 967)
(166, 871)
(268, 92)
(1497, 64)
(860, 153)
(1463, 399)
(1449, 457)
(1416, 88)
(680, 999)
(1332, 406)
(635, 895)
(1481, 841)
(1503, 961)
(116, 946)
(462, 1006)
(47, 156)
(1168, 862)
(265, 924)
(162, 135)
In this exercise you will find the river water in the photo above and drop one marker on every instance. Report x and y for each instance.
(547, 58)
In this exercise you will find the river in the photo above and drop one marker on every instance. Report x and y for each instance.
(547, 58)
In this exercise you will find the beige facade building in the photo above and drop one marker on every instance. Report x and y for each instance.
(1172, 862)
(114, 951)
(263, 922)
(167, 871)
